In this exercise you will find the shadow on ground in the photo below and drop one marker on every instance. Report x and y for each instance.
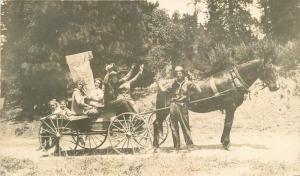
(110, 151)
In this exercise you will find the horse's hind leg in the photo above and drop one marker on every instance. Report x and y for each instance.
(225, 139)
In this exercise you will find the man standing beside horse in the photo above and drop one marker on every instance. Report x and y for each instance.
(179, 93)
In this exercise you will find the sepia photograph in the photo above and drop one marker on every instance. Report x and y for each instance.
(150, 87)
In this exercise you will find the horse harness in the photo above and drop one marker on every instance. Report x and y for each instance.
(236, 79)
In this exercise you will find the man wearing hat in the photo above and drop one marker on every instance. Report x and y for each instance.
(179, 92)
(114, 86)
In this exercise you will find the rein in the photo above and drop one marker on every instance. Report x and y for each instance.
(190, 102)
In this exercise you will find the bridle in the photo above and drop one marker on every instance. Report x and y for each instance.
(263, 75)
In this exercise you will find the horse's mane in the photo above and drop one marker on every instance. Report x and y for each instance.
(247, 63)
(226, 69)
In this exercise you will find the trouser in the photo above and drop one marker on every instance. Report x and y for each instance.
(179, 114)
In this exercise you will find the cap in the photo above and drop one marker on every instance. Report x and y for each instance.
(109, 66)
(178, 69)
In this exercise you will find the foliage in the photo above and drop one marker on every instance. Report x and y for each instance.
(40, 34)
(229, 21)
(281, 19)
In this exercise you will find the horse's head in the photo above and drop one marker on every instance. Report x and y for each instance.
(268, 75)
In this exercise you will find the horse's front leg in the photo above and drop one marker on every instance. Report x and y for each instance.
(225, 139)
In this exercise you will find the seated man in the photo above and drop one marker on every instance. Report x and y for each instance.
(79, 107)
(111, 93)
(113, 88)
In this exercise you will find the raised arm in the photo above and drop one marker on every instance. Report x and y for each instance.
(129, 74)
(138, 75)
(127, 84)
(167, 88)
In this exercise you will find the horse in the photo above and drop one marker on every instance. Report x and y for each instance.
(225, 90)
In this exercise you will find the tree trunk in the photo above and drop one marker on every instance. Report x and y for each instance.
(231, 21)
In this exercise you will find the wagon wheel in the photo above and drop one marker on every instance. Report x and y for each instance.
(56, 132)
(92, 139)
(128, 133)
(163, 135)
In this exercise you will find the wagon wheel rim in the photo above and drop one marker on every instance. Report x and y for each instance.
(92, 139)
(68, 141)
(123, 132)
(143, 135)
(47, 132)
(57, 132)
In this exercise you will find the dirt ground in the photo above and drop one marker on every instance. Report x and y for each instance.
(265, 142)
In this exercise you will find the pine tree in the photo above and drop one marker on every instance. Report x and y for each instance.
(229, 21)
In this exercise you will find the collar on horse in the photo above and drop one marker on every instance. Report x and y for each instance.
(237, 76)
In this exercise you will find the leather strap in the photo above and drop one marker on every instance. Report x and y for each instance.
(238, 76)
(213, 85)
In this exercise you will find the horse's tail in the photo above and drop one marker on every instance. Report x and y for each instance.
(162, 101)
(161, 115)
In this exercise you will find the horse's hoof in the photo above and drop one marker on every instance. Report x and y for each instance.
(226, 145)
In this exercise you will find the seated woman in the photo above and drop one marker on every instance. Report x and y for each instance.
(54, 109)
(54, 106)
(96, 99)
(79, 107)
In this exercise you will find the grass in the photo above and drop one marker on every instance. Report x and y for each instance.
(179, 164)
(13, 166)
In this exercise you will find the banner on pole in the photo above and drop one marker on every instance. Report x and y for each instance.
(79, 65)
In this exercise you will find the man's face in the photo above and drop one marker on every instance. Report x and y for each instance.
(179, 75)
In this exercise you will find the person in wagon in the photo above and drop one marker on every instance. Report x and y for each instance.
(111, 93)
(115, 88)
(54, 109)
(54, 106)
(79, 107)
(96, 99)
(64, 109)
(109, 68)
(179, 91)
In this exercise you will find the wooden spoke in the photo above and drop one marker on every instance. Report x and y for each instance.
(124, 138)
(55, 127)
(48, 131)
(92, 139)
(44, 122)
